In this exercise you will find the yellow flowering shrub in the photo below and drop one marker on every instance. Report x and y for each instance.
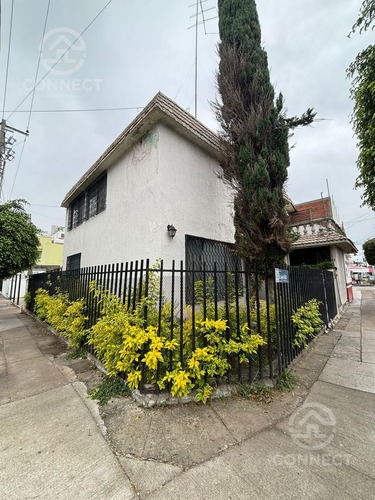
(211, 360)
(124, 344)
(64, 316)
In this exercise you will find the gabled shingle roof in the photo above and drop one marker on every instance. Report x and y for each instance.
(325, 238)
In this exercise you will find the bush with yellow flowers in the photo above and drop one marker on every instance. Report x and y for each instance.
(210, 361)
(144, 350)
(66, 317)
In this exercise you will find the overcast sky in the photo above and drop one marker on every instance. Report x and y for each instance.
(136, 48)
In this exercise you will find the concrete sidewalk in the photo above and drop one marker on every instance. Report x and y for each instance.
(318, 442)
(332, 457)
(51, 446)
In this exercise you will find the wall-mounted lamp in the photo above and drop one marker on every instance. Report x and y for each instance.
(171, 230)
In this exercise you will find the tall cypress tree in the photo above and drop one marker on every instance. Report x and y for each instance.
(255, 134)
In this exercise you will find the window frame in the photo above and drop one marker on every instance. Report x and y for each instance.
(97, 192)
(70, 259)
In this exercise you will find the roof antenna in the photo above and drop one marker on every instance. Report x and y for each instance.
(329, 194)
(198, 6)
(324, 210)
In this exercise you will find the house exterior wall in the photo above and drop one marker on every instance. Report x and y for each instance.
(163, 179)
(338, 258)
(193, 198)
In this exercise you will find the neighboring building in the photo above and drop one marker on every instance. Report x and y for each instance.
(50, 258)
(58, 234)
(51, 251)
(322, 239)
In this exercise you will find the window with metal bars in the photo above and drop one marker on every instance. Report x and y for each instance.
(77, 212)
(210, 254)
(89, 203)
(97, 197)
(73, 262)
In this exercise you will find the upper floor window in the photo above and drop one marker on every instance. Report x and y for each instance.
(89, 203)
(97, 197)
(77, 211)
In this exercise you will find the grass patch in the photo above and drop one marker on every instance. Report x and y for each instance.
(261, 394)
(111, 387)
(287, 381)
(77, 353)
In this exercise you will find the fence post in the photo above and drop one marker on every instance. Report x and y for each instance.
(19, 290)
(325, 297)
(11, 288)
(268, 321)
(277, 312)
(146, 290)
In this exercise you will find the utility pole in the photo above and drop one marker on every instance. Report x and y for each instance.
(6, 143)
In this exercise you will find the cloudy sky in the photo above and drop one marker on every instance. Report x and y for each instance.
(137, 47)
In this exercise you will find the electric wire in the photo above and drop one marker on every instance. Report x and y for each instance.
(38, 64)
(48, 206)
(75, 110)
(8, 57)
(59, 59)
(57, 219)
(370, 212)
(32, 99)
(204, 21)
(36, 85)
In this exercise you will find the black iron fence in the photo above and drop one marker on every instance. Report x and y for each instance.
(260, 299)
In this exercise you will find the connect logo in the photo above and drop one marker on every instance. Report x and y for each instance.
(312, 426)
(54, 48)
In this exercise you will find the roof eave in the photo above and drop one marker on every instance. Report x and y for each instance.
(160, 109)
(346, 246)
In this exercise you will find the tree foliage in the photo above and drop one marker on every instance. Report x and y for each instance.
(19, 241)
(255, 134)
(362, 73)
(369, 250)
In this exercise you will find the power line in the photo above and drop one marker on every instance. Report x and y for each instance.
(75, 110)
(58, 60)
(370, 212)
(38, 64)
(8, 57)
(204, 21)
(48, 216)
(48, 206)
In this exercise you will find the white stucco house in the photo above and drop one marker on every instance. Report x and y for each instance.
(164, 170)
(161, 170)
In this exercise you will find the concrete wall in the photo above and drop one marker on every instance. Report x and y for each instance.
(164, 179)
(9, 284)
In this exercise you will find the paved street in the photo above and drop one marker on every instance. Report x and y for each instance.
(316, 443)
